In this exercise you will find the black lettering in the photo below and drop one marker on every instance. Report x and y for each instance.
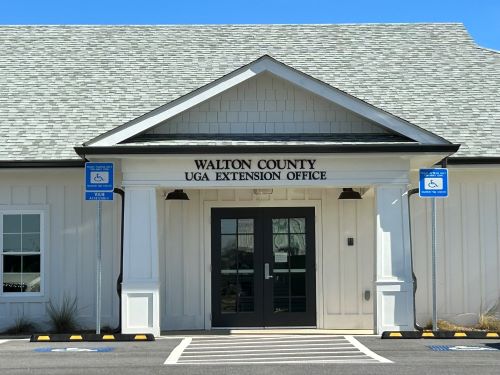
(311, 163)
(261, 164)
(281, 164)
(291, 164)
(271, 164)
(196, 176)
(200, 164)
(247, 164)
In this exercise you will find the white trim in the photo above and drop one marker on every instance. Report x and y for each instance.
(261, 65)
(207, 236)
(43, 211)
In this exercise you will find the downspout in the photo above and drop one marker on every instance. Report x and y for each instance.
(120, 276)
(413, 276)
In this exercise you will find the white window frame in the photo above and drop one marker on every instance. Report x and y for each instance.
(24, 210)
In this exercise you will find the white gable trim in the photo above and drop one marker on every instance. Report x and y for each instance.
(266, 64)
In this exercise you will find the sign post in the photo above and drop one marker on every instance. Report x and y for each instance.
(99, 185)
(434, 184)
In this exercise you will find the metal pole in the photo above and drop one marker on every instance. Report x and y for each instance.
(434, 284)
(98, 274)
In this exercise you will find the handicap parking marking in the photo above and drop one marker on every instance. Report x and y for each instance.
(461, 348)
(271, 349)
(104, 349)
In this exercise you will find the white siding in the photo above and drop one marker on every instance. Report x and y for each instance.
(267, 104)
(346, 271)
(70, 256)
(468, 253)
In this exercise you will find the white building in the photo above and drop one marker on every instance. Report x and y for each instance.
(262, 127)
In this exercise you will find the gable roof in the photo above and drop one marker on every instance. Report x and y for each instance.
(67, 84)
(264, 64)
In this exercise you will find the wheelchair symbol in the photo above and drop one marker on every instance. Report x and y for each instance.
(98, 178)
(432, 184)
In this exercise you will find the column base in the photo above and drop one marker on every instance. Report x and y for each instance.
(141, 308)
(394, 306)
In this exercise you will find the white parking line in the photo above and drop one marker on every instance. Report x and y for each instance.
(177, 352)
(238, 350)
(366, 351)
(2, 341)
(271, 349)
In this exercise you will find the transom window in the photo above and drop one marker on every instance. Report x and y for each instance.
(21, 250)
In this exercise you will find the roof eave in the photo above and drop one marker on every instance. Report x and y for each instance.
(264, 149)
(67, 163)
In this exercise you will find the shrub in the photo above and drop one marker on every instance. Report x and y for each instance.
(489, 322)
(63, 316)
(21, 325)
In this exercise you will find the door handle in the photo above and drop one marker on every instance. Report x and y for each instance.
(267, 276)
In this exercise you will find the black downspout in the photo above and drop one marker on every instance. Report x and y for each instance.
(120, 276)
(414, 277)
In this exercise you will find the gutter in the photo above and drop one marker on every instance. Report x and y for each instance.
(68, 163)
(473, 160)
(83, 151)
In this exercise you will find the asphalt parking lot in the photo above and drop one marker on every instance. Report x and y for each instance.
(257, 354)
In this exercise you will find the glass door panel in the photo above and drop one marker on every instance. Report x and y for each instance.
(236, 272)
(289, 253)
(289, 250)
(235, 296)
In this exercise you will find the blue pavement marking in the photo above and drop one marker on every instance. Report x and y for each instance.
(459, 348)
(104, 349)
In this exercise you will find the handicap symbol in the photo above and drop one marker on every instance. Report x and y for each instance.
(98, 178)
(432, 184)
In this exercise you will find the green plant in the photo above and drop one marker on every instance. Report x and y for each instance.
(63, 316)
(21, 325)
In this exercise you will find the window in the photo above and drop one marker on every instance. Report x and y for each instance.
(21, 252)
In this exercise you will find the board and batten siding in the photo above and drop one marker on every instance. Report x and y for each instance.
(468, 250)
(266, 104)
(70, 257)
(346, 271)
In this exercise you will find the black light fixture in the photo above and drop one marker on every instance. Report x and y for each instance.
(349, 193)
(178, 195)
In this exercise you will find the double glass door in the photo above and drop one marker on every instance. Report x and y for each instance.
(263, 270)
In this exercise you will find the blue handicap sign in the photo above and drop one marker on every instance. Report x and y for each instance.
(99, 178)
(98, 195)
(433, 183)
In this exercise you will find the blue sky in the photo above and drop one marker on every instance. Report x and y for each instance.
(481, 17)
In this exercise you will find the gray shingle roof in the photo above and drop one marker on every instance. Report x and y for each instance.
(63, 85)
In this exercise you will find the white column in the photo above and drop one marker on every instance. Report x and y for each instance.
(140, 287)
(394, 286)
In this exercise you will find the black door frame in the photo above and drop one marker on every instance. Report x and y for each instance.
(263, 289)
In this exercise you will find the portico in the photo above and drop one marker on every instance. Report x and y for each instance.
(263, 154)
